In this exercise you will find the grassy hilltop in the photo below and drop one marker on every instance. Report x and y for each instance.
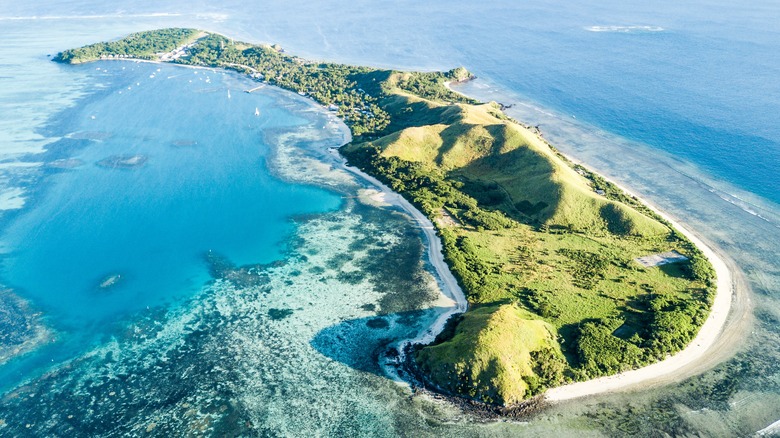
(546, 261)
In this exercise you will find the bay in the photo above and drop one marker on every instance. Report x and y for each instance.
(675, 101)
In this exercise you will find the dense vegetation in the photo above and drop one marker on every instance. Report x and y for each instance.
(611, 314)
(141, 45)
(543, 249)
(340, 85)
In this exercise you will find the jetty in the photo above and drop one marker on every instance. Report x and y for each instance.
(254, 89)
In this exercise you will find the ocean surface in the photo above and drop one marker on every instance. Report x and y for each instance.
(246, 288)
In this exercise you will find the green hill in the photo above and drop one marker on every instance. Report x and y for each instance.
(499, 354)
(543, 249)
(531, 183)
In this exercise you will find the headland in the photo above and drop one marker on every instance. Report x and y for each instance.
(543, 251)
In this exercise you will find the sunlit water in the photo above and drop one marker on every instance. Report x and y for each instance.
(676, 102)
(202, 187)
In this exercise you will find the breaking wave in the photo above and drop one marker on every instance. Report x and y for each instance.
(625, 29)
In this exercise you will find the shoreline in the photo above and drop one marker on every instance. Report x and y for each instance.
(671, 369)
(449, 286)
(450, 289)
(674, 368)
(379, 195)
(730, 286)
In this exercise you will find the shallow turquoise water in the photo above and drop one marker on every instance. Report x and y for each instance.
(334, 284)
(677, 101)
(204, 187)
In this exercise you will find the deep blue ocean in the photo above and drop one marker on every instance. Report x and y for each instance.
(679, 102)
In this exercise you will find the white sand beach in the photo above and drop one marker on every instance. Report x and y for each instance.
(449, 284)
(709, 347)
(702, 353)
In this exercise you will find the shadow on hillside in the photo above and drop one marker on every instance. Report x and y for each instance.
(525, 178)
(407, 113)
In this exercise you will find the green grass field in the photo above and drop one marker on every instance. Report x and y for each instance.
(545, 261)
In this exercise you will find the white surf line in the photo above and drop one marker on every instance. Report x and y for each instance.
(697, 349)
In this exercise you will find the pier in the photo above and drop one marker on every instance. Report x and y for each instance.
(254, 89)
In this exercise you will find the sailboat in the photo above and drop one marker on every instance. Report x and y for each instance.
(257, 111)
(228, 94)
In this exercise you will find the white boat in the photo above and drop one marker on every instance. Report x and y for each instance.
(257, 111)
(228, 94)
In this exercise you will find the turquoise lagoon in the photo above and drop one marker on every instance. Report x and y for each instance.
(676, 101)
(250, 288)
(202, 185)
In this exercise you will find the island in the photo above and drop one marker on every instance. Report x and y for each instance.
(567, 277)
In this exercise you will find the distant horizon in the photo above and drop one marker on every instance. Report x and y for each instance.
(674, 102)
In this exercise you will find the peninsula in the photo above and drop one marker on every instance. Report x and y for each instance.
(568, 278)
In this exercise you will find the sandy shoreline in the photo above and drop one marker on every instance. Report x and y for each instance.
(695, 358)
(449, 284)
(453, 297)
(691, 357)
(701, 353)
(686, 362)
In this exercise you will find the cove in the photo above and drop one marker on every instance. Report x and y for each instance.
(164, 164)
